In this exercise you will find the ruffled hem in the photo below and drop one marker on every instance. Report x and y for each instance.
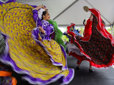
(32, 80)
(51, 58)
(65, 80)
(7, 1)
(104, 33)
(103, 65)
(92, 63)
(6, 59)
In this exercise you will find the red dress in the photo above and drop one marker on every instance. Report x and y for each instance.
(97, 45)
(72, 53)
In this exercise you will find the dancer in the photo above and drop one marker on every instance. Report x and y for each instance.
(30, 51)
(73, 50)
(97, 45)
(57, 34)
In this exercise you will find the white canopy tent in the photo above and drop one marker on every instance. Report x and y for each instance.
(68, 11)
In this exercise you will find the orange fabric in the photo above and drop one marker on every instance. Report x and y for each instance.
(5, 73)
(14, 81)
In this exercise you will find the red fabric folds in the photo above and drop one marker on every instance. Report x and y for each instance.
(101, 27)
(97, 45)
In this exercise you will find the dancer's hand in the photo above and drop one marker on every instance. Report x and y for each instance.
(40, 6)
(41, 29)
(40, 38)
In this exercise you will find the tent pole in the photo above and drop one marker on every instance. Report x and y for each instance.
(65, 9)
(112, 29)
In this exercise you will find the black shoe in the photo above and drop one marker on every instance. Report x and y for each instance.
(90, 70)
(77, 68)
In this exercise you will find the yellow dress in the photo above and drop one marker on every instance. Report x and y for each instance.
(42, 66)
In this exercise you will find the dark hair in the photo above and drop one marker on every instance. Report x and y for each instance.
(43, 14)
(84, 22)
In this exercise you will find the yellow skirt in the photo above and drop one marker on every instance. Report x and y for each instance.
(43, 63)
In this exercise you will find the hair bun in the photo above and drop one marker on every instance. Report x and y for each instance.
(86, 8)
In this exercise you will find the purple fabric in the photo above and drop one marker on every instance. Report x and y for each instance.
(49, 29)
(69, 77)
(4, 35)
(34, 34)
(65, 80)
(8, 60)
(62, 48)
(36, 18)
(7, 1)
(34, 6)
(53, 36)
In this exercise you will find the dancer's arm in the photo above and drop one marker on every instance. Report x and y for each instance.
(38, 7)
(88, 29)
(35, 12)
(36, 18)
(41, 29)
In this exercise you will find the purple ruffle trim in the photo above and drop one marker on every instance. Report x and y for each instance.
(35, 36)
(6, 59)
(62, 48)
(69, 77)
(7, 1)
(30, 79)
(65, 80)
